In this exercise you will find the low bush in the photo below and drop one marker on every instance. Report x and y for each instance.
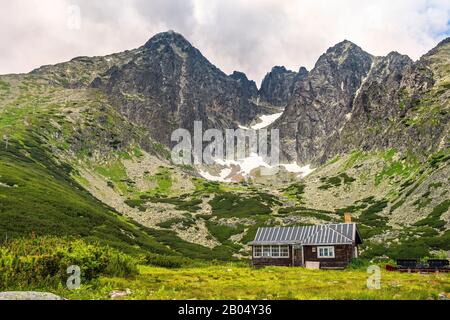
(434, 218)
(358, 263)
(44, 261)
(164, 261)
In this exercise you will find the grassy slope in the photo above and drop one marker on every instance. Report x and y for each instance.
(238, 282)
(38, 194)
(42, 198)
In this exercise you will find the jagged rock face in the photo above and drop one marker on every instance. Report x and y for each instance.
(351, 100)
(278, 85)
(376, 101)
(376, 98)
(170, 84)
(322, 100)
(299, 77)
(248, 87)
(401, 105)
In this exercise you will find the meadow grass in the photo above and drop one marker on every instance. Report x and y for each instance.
(242, 282)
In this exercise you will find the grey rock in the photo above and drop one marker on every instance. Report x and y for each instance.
(119, 294)
(278, 85)
(28, 295)
(248, 87)
(354, 101)
(170, 84)
(322, 100)
(387, 110)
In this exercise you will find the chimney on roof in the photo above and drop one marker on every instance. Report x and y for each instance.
(347, 218)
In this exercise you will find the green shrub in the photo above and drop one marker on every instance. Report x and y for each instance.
(189, 249)
(233, 205)
(44, 261)
(133, 203)
(336, 181)
(434, 218)
(184, 223)
(358, 263)
(164, 261)
(223, 232)
(370, 220)
(295, 191)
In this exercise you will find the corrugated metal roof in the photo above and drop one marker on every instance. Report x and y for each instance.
(343, 233)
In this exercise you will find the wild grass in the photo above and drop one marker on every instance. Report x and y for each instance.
(41, 264)
(353, 159)
(242, 282)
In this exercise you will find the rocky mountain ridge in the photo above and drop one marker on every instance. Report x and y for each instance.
(352, 100)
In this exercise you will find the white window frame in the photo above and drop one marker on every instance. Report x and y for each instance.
(278, 251)
(264, 251)
(281, 253)
(330, 250)
(286, 252)
(255, 254)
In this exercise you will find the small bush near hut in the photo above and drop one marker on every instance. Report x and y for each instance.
(26, 263)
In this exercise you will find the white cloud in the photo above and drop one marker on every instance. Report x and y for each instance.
(245, 35)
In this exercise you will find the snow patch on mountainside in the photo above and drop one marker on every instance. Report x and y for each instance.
(295, 168)
(233, 170)
(223, 176)
(266, 120)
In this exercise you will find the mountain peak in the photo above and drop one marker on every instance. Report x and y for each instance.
(343, 52)
(276, 87)
(343, 46)
(302, 71)
(279, 68)
(396, 56)
(442, 46)
(168, 37)
(238, 75)
(444, 42)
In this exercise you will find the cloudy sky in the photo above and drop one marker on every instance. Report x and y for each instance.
(247, 35)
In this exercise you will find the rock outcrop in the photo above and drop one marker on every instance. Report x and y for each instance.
(278, 85)
(322, 101)
(170, 84)
(28, 295)
(353, 100)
